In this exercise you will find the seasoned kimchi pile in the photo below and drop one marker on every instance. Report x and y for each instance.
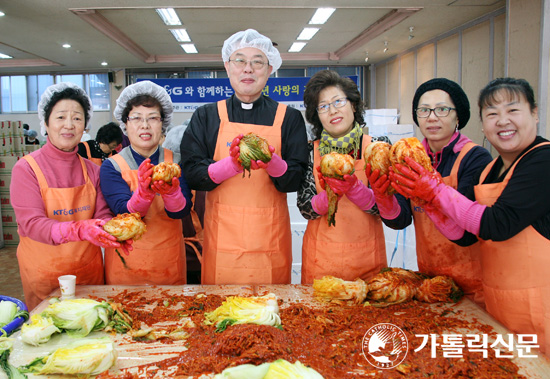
(326, 337)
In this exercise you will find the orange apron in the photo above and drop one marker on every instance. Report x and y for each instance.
(354, 248)
(159, 256)
(515, 272)
(247, 237)
(97, 161)
(436, 255)
(40, 264)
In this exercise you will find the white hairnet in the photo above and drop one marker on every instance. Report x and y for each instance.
(32, 133)
(47, 96)
(174, 137)
(145, 87)
(251, 38)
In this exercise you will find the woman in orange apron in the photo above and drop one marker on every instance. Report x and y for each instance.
(510, 215)
(354, 247)
(440, 109)
(56, 198)
(145, 110)
(108, 138)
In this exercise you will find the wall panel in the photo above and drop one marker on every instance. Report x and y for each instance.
(499, 46)
(447, 58)
(408, 87)
(393, 98)
(380, 86)
(425, 64)
(475, 72)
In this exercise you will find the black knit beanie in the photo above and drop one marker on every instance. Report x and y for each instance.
(456, 93)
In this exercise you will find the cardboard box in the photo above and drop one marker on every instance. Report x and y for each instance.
(8, 217)
(18, 142)
(17, 128)
(7, 162)
(5, 128)
(11, 237)
(5, 181)
(6, 143)
(31, 148)
(5, 200)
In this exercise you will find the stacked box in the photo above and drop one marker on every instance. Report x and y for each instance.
(11, 237)
(31, 148)
(6, 138)
(9, 224)
(18, 138)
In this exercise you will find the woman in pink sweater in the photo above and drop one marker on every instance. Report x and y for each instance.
(57, 200)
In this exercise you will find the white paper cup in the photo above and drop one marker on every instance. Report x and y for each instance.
(67, 285)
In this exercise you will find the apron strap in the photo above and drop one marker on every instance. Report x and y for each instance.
(511, 170)
(88, 152)
(277, 122)
(122, 164)
(165, 155)
(279, 116)
(454, 170)
(42, 182)
(222, 111)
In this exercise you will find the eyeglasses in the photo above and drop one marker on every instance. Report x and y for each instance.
(256, 64)
(438, 111)
(155, 120)
(338, 103)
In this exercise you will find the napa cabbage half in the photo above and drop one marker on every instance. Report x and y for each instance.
(81, 357)
(262, 310)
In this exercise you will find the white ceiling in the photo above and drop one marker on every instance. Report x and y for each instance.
(130, 34)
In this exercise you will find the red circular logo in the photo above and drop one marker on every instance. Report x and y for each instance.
(385, 346)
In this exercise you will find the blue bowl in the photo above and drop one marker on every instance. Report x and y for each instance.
(17, 322)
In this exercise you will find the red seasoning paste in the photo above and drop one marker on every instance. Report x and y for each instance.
(327, 338)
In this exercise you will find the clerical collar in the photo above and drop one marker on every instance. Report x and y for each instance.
(248, 106)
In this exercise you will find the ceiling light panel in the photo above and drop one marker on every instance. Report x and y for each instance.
(296, 47)
(307, 34)
(321, 15)
(180, 35)
(168, 16)
(189, 48)
(5, 56)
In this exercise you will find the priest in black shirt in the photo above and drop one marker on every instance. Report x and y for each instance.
(247, 237)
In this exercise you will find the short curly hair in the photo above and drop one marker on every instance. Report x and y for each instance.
(322, 80)
(142, 100)
(108, 133)
(68, 94)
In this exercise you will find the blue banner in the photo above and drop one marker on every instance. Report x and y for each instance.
(189, 94)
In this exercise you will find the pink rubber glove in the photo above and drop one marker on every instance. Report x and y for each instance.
(388, 206)
(444, 224)
(430, 188)
(126, 246)
(319, 203)
(322, 182)
(229, 166)
(275, 168)
(361, 195)
(341, 186)
(417, 182)
(84, 230)
(143, 195)
(173, 198)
